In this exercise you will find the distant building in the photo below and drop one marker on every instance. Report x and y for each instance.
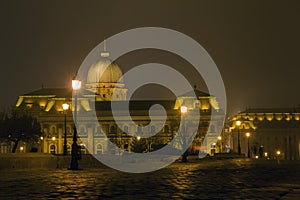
(46, 105)
(273, 132)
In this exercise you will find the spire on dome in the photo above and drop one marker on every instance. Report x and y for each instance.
(105, 53)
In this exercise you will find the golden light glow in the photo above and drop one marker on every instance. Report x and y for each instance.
(269, 116)
(65, 106)
(266, 154)
(19, 102)
(53, 138)
(21, 148)
(49, 105)
(41, 137)
(251, 117)
(85, 104)
(256, 157)
(138, 137)
(42, 103)
(278, 116)
(238, 123)
(248, 134)
(278, 152)
(219, 138)
(183, 109)
(76, 84)
(260, 117)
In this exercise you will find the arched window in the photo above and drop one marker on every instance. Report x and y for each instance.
(53, 130)
(82, 130)
(99, 130)
(113, 129)
(52, 149)
(139, 129)
(99, 149)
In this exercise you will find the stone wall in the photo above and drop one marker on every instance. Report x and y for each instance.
(43, 161)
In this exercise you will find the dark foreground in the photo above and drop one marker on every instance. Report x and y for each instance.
(199, 179)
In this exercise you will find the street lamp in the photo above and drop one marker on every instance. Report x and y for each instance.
(76, 85)
(220, 143)
(42, 145)
(183, 110)
(278, 152)
(65, 108)
(53, 139)
(248, 136)
(238, 123)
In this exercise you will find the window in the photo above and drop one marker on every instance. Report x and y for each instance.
(98, 130)
(113, 129)
(69, 133)
(139, 129)
(53, 130)
(68, 149)
(99, 149)
(52, 149)
(166, 129)
(82, 130)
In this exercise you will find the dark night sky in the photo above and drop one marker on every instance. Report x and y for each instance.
(255, 44)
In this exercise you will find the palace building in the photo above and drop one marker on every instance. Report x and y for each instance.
(46, 104)
(271, 132)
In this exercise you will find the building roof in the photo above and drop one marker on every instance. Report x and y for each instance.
(134, 105)
(56, 92)
(272, 110)
(104, 71)
(198, 93)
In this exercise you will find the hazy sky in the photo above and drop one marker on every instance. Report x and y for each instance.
(255, 44)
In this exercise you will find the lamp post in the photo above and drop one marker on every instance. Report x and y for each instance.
(65, 108)
(278, 152)
(183, 110)
(53, 139)
(248, 137)
(76, 85)
(220, 144)
(42, 145)
(238, 123)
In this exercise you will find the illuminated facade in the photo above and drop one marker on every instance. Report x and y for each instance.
(270, 131)
(46, 105)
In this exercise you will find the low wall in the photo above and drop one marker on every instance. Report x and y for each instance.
(43, 161)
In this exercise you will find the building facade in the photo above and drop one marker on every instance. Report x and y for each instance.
(46, 104)
(272, 133)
